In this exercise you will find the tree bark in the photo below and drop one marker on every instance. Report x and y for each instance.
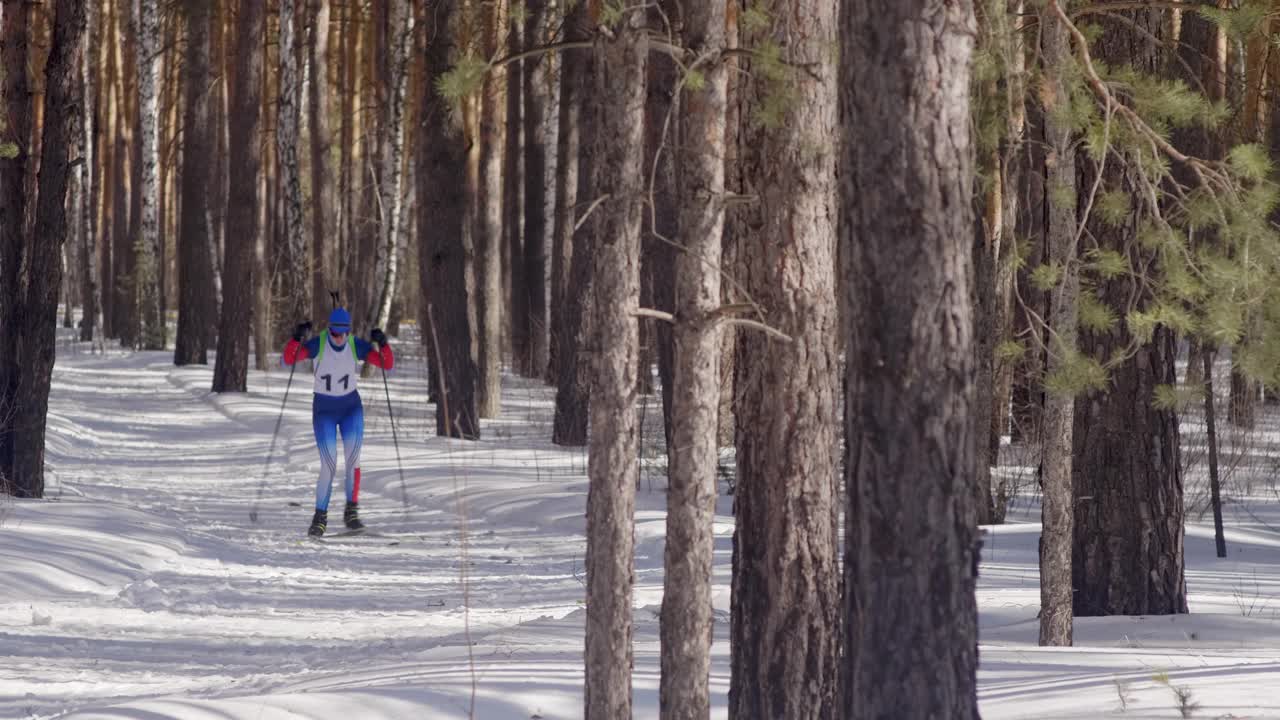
(911, 547)
(295, 281)
(91, 317)
(150, 250)
(537, 131)
(1059, 405)
(621, 57)
(785, 606)
(42, 271)
(1215, 490)
(572, 393)
(401, 26)
(322, 220)
(662, 219)
(1244, 399)
(441, 160)
(489, 237)
(684, 688)
(195, 273)
(15, 130)
(1127, 556)
(566, 194)
(519, 322)
(231, 367)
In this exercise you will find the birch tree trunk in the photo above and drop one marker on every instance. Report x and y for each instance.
(295, 280)
(231, 367)
(195, 274)
(322, 219)
(911, 622)
(401, 26)
(91, 319)
(621, 57)
(149, 250)
(785, 606)
(1059, 406)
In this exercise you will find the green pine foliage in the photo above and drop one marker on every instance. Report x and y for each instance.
(464, 79)
(1206, 253)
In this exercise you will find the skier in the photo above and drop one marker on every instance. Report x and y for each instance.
(336, 406)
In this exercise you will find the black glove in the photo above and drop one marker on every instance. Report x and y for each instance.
(376, 335)
(301, 331)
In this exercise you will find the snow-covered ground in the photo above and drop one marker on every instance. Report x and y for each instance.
(140, 589)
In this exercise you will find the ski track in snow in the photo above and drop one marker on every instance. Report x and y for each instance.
(141, 590)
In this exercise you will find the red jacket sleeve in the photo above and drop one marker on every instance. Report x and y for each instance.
(382, 358)
(294, 352)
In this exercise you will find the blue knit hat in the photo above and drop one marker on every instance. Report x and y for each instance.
(340, 320)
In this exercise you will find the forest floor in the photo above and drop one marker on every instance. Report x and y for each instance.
(140, 589)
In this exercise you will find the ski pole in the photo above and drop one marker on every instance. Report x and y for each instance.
(404, 492)
(253, 512)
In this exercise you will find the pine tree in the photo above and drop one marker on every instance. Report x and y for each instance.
(195, 274)
(621, 56)
(448, 334)
(231, 368)
(40, 283)
(15, 150)
(910, 631)
(1059, 400)
(684, 690)
(785, 604)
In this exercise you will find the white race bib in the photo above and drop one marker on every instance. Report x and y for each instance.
(336, 369)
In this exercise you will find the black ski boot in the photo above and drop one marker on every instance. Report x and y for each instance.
(318, 523)
(351, 518)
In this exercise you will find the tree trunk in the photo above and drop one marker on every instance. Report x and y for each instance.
(150, 251)
(1215, 491)
(42, 281)
(537, 131)
(15, 129)
(91, 320)
(441, 160)
(520, 323)
(566, 195)
(322, 221)
(1195, 363)
(401, 25)
(572, 393)
(489, 238)
(785, 607)
(1244, 399)
(231, 367)
(911, 547)
(618, 107)
(684, 688)
(662, 220)
(1059, 405)
(128, 204)
(295, 281)
(196, 301)
(1127, 556)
